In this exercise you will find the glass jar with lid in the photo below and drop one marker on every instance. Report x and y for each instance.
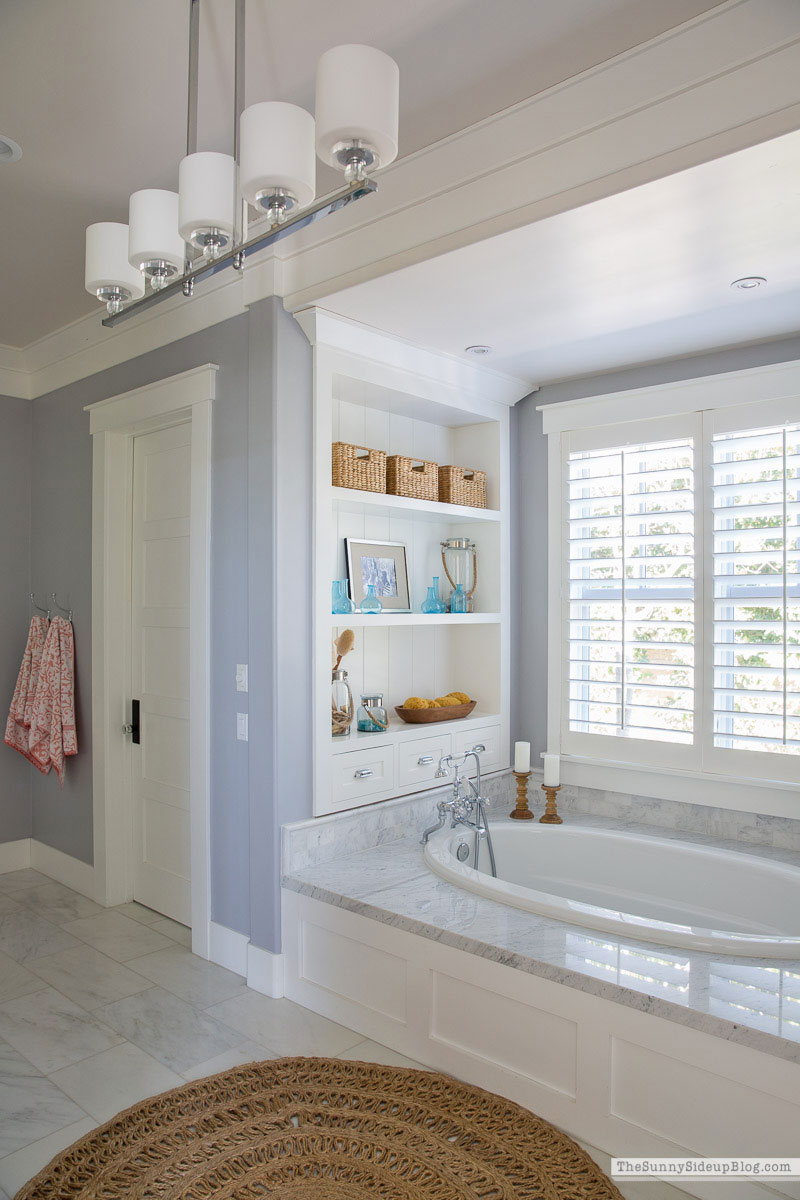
(341, 704)
(372, 716)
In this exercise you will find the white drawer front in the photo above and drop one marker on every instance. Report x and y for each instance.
(488, 736)
(417, 761)
(360, 776)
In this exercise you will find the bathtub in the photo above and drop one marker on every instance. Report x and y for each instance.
(649, 888)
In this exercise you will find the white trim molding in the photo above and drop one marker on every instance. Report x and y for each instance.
(114, 423)
(228, 949)
(14, 378)
(15, 856)
(262, 969)
(715, 84)
(434, 372)
(64, 868)
(265, 971)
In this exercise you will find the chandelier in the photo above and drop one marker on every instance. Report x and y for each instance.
(174, 239)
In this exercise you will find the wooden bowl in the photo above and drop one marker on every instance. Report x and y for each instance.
(431, 716)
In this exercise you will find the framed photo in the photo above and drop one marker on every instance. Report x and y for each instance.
(381, 563)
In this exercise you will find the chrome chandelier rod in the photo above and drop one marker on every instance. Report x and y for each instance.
(235, 257)
(202, 267)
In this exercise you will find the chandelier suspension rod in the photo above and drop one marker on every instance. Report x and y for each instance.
(260, 241)
(194, 76)
(240, 222)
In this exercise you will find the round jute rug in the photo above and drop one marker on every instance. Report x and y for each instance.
(323, 1129)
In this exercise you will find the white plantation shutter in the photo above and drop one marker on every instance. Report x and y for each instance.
(756, 557)
(630, 594)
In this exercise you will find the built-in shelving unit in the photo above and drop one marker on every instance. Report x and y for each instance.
(373, 390)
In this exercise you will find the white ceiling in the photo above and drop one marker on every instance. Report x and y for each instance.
(95, 92)
(639, 276)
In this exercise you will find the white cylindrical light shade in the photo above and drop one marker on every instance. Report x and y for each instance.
(107, 263)
(206, 194)
(276, 151)
(358, 93)
(153, 235)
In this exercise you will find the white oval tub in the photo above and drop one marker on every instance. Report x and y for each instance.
(671, 892)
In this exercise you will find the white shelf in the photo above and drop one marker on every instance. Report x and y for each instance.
(399, 731)
(359, 620)
(382, 504)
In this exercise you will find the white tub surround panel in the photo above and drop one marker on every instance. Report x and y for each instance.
(626, 1081)
(749, 1001)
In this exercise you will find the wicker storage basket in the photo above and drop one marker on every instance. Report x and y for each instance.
(412, 477)
(462, 485)
(358, 467)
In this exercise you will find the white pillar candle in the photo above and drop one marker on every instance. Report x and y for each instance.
(551, 770)
(522, 757)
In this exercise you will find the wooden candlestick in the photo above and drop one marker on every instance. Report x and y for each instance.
(522, 812)
(550, 815)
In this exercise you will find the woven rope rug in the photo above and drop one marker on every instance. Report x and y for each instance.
(323, 1129)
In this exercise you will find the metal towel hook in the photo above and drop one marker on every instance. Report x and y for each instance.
(59, 607)
(46, 611)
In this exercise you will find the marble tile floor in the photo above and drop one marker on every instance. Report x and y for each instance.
(100, 1008)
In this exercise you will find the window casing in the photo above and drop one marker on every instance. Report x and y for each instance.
(679, 566)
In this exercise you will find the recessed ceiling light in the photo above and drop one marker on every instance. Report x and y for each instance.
(477, 349)
(747, 282)
(10, 151)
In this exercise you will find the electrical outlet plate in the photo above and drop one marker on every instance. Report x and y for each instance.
(241, 727)
(241, 677)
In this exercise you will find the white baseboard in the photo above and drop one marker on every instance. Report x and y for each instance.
(72, 872)
(228, 949)
(265, 971)
(262, 969)
(15, 856)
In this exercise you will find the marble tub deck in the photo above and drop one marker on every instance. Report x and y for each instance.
(754, 1002)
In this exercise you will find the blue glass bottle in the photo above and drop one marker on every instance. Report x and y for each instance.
(371, 603)
(431, 602)
(340, 603)
(458, 599)
(441, 606)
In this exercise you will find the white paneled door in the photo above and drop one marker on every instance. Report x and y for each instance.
(160, 671)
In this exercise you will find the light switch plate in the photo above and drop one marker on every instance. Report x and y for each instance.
(241, 677)
(241, 727)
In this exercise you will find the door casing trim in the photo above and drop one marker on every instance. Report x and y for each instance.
(113, 424)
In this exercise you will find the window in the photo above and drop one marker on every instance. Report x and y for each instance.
(756, 552)
(631, 591)
(677, 643)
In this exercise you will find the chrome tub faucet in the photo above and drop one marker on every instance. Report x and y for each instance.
(461, 805)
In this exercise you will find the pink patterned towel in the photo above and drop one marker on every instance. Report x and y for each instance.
(18, 726)
(52, 735)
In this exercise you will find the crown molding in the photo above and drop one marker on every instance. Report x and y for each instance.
(323, 328)
(14, 377)
(714, 85)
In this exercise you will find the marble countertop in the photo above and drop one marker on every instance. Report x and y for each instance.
(751, 1001)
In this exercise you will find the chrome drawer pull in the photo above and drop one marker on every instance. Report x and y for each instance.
(364, 773)
(425, 761)
(479, 748)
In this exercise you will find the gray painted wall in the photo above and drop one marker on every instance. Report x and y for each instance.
(529, 481)
(15, 611)
(280, 482)
(260, 564)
